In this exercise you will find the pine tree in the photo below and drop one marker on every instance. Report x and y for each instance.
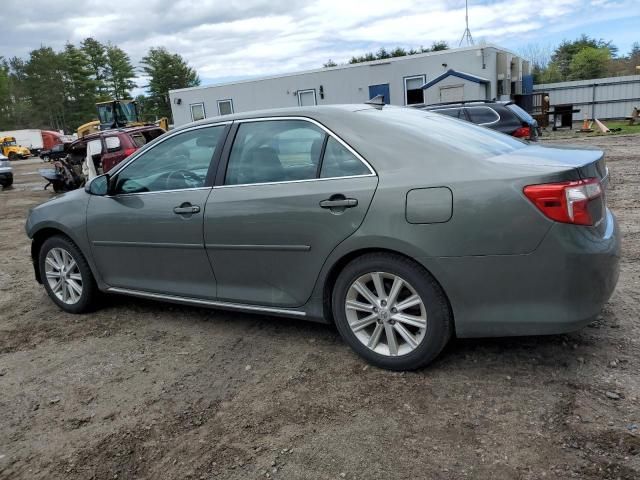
(96, 53)
(79, 87)
(166, 71)
(119, 73)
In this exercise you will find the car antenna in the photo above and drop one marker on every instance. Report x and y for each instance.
(377, 101)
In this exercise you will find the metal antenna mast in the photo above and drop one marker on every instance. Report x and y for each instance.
(467, 33)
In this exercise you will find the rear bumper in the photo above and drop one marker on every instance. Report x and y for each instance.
(558, 288)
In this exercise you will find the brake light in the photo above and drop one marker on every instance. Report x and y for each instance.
(565, 202)
(129, 151)
(522, 132)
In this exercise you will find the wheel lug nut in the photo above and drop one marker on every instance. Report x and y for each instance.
(394, 310)
(384, 303)
(375, 309)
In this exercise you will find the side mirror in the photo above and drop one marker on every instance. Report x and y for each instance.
(98, 186)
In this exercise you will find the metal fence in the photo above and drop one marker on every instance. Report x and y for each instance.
(603, 98)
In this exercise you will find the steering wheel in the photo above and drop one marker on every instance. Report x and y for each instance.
(181, 176)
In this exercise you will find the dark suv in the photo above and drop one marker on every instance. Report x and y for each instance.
(503, 116)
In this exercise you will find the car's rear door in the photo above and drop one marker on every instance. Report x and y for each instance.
(148, 234)
(287, 193)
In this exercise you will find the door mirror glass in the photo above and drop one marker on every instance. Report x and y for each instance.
(98, 186)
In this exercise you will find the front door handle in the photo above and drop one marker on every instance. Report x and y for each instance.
(340, 202)
(186, 209)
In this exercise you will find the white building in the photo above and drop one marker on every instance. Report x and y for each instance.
(470, 73)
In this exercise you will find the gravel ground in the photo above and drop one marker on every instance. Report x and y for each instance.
(149, 390)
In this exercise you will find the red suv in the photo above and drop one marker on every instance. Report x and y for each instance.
(117, 144)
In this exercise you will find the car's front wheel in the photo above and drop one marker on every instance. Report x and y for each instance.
(66, 275)
(391, 311)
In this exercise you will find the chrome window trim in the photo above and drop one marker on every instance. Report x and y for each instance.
(120, 195)
(210, 303)
(292, 181)
(326, 130)
(154, 144)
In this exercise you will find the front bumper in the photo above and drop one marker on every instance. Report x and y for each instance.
(558, 288)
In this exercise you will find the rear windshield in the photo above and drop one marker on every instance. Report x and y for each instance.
(145, 136)
(456, 134)
(520, 113)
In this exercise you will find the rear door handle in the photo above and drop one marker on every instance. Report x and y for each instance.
(186, 209)
(339, 203)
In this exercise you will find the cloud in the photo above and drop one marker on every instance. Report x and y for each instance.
(246, 38)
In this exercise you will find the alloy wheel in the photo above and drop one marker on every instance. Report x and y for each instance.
(386, 314)
(63, 276)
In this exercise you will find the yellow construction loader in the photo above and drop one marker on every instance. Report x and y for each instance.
(117, 114)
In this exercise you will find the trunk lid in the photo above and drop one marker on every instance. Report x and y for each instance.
(586, 162)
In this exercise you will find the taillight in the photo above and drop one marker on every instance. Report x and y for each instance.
(565, 202)
(522, 132)
(129, 151)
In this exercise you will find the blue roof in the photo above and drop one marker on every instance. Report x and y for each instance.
(451, 72)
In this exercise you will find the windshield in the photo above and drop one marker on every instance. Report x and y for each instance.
(10, 143)
(455, 134)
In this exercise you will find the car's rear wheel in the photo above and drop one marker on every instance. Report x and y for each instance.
(66, 275)
(391, 311)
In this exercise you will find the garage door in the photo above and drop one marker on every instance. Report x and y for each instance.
(452, 94)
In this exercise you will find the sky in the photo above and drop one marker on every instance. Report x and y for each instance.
(230, 39)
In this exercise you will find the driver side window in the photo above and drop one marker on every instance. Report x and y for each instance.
(178, 163)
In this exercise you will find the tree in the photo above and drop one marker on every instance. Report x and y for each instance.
(96, 54)
(439, 46)
(43, 81)
(589, 63)
(79, 87)
(166, 71)
(119, 73)
(564, 53)
(330, 63)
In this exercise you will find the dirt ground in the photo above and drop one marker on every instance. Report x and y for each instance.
(154, 391)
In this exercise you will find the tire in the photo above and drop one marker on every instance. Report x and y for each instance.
(61, 249)
(58, 186)
(13, 156)
(432, 311)
(45, 158)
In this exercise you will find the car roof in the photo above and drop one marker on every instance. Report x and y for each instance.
(113, 131)
(472, 103)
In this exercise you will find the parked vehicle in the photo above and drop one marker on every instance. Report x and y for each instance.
(505, 116)
(10, 149)
(110, 146)
(379, 219)
(55, 153)
(65, 175)
(37, 140)
(6, 172)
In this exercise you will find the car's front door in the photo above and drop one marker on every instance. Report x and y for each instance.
(290, 194)
(146, 235)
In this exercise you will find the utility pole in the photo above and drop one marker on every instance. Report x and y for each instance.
(467, 33)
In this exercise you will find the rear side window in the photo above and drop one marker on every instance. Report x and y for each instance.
(482, 115)
(338, 161)
(288, 150)
(142, 138)
(112, 143)
(451, 112)
(521, 113)
(275, 151)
